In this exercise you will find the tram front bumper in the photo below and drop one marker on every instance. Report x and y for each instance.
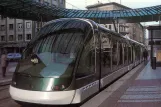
(38, 97)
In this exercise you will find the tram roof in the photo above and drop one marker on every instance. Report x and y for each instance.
(78, 20)
(33, 10)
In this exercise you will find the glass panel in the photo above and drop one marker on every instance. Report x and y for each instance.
(122, 14)
(54, 51)
(137, 48)
(121, 61)
(103, 15)
(107, 14)
(136, 13)
(125, 54)
(152, 9)
(100, 14)
(143, 11)
(87, 61)
(141, 56)
(134, 56)
(115, 55)
(57, 60)
(89, 15)
(129, 54)
(129, 14)
(106, 49)
(132, 12)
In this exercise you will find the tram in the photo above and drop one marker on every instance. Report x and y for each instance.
(70, 60)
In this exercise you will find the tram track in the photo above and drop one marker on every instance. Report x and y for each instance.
(5, 99)
(4, 93)
(4, 88)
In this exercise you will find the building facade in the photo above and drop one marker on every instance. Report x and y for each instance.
(16, 33)
(134, 31)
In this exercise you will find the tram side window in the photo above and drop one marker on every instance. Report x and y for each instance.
(115, 55)
(134, 53)
(136, 48)
(130, 54)
(87, 61)
(141, 56)
(138, 52)
(121, 55)
(125, 54)
(105, 53)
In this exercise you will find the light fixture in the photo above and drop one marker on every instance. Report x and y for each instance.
(35, 60)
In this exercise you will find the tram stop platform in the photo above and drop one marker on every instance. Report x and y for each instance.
(141, 87)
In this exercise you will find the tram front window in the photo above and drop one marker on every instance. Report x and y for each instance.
(52, 55)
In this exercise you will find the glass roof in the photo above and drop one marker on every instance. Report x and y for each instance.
(34, 10)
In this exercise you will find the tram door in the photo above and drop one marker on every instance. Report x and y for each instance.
(105, 59)
(87, 73)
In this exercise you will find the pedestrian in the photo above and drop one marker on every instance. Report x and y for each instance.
(4, 63)
(146, 55)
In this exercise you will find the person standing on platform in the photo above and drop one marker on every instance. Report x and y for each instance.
(4, 63)
(145, 55)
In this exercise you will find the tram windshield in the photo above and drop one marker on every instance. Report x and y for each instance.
(54, 53)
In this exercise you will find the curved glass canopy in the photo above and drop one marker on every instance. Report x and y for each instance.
(33, 10)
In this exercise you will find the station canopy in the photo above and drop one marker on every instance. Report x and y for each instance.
(36, 11)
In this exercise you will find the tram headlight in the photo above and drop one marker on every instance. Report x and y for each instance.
(58, 87)
(35, 60)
